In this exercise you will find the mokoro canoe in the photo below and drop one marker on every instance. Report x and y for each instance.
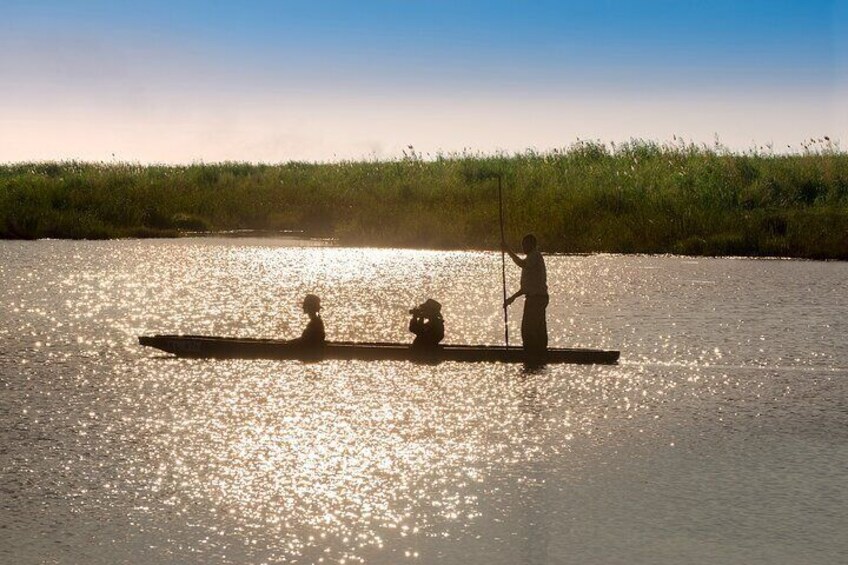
(247, 348)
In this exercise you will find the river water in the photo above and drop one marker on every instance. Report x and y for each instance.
(721, 437)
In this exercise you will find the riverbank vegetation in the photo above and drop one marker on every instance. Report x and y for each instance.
(639, 197)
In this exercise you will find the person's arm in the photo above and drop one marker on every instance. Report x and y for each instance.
(512, 298)
(515, 258)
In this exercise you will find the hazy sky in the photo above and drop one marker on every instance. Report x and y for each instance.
(183, 81)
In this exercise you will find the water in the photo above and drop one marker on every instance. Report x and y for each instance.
(722, 437)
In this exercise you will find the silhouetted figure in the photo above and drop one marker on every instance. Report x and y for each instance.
(427, 324)
(534, 288)
(313, 334)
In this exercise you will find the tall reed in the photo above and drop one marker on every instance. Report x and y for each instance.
(638, 197)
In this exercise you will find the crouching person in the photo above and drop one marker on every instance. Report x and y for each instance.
(427, 324)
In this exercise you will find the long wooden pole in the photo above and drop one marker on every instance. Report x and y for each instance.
(503, 263)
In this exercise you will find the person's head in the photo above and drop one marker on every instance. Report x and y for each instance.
(311, 304)
(429, 309)
(528, 244)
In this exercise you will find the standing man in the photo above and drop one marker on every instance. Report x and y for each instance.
(534, 288)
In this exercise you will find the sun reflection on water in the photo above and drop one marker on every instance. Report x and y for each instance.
(337, 458)
(237, 461)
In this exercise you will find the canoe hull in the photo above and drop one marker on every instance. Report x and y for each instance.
(246, 348)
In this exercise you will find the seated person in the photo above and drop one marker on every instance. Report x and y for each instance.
(427, 324)
(313, 335)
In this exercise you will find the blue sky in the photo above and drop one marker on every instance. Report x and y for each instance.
(272, 81)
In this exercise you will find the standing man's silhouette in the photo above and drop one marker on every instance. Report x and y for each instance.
(534, 288)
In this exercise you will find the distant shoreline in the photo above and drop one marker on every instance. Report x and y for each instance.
(634, 198)
(331, 242)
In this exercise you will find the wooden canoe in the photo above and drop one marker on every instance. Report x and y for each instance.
(247, 348)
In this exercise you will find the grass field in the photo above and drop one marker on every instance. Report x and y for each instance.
(639, 197)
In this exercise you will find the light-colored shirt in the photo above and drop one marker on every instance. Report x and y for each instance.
(534, 276)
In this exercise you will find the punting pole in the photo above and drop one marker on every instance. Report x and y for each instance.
(503, 262)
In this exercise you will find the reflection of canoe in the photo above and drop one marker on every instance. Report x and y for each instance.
(244, 348)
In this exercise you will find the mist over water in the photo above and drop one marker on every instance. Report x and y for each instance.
(721, 437)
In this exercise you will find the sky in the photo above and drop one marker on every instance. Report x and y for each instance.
(272, 81)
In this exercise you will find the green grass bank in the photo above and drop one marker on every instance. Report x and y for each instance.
(639, 197)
